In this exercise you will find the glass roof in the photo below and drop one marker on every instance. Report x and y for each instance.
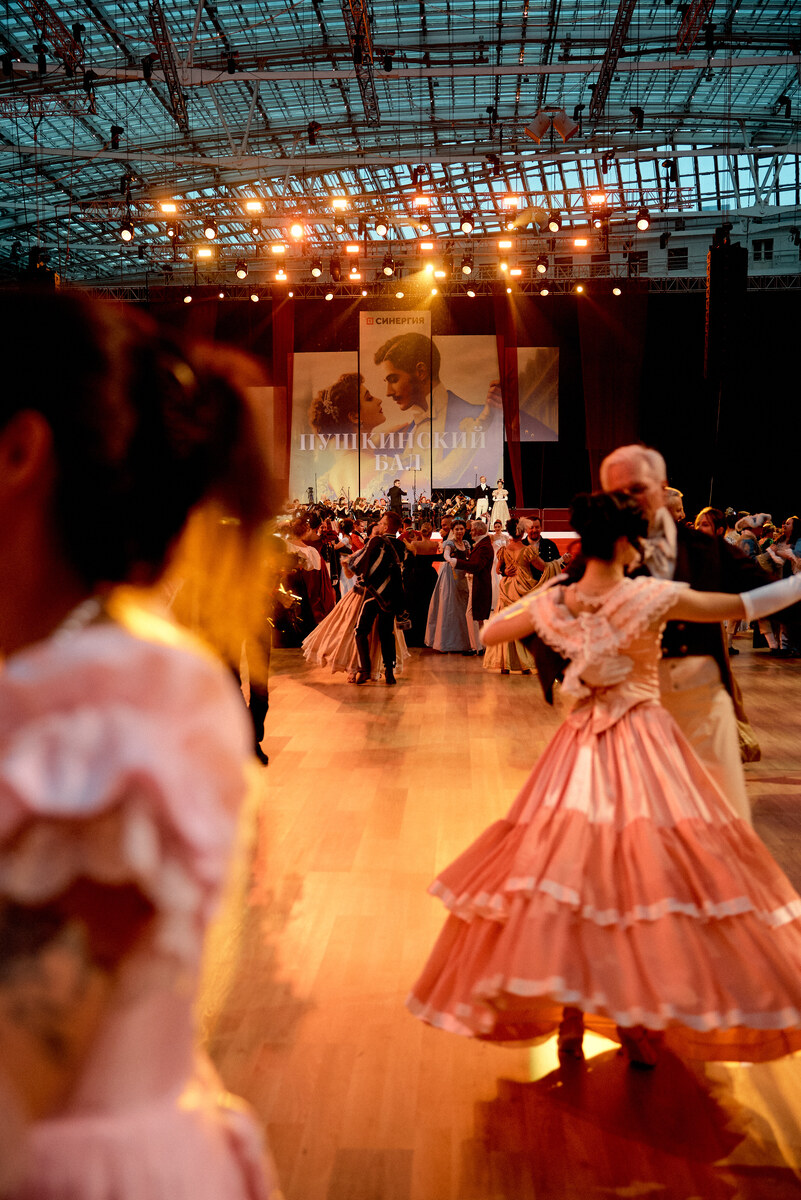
(416, 113)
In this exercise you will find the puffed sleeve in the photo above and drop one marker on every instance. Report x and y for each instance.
(121, 761)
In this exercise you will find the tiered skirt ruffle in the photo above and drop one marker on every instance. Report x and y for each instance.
(623, 884)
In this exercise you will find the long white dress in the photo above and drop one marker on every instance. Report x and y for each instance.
(123, 756)
(500, 509)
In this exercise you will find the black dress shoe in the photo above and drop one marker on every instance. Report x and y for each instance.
(389, 676)
(468, 654)
(261, 756)
(362, 677)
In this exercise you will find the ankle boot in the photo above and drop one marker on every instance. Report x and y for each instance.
(363, 651)
(571, 1033)
(640, 1046)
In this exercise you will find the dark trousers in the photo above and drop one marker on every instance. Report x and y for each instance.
(371, 611)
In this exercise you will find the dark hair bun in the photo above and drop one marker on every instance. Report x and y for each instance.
(602, 518)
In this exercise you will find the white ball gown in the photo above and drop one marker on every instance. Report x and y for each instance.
(621, 882)
(500, 509)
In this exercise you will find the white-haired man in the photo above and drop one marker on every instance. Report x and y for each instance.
(695, 675)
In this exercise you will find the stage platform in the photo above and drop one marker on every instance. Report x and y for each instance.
(369, 792)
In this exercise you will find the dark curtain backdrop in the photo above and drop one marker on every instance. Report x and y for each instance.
(612, 336)
(630, 368)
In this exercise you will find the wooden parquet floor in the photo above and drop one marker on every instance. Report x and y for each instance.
(369, 792)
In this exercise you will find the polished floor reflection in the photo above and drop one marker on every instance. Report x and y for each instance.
(368, 793)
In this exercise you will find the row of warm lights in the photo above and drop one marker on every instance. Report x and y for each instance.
(440, 270)
(597, 200)
(544, 291)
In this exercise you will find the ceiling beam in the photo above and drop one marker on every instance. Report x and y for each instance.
(200, 77)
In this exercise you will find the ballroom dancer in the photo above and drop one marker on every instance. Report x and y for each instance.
(621, 887)
(698, 687)
(477, 565)
(333, 643)
(446, 628)
(520, 570)
(379, 570)
(123, 747)
(500, 509)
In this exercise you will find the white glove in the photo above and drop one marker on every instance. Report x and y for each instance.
(761, 602)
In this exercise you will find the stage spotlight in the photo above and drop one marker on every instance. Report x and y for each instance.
(241, 269)
(127, 230)
(316, 267)
(564, 125)
(187, 298)
(399, 295)
(210, 229)
(643, 218)
(538, 126)
(467, 264)
(388, 265)
(255, 230)
(116, 133)
(424, 225)
(297, 231)
(147, 72)
(335, 269)
(329, 295)
(254, 297)
(544, 291)
(554, 222)
(616, 291)
(471, 293)
(542, 264)
(639, 116)
(579, 288)
(466, 222)
(381, 229)
(230, 64)
(312, 130)
(386, 62)
(508, 291)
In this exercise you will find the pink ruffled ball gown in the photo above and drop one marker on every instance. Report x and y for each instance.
(122, 760)
(621, 882)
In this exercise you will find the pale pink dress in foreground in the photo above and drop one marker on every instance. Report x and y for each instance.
(621, 881)
(122, 760)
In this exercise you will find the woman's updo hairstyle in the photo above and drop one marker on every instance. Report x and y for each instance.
(336, 409)
(511, 527)
(143, 429)
(602, 518)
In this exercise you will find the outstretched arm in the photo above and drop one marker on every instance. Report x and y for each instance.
(720, 606)
(509, 625)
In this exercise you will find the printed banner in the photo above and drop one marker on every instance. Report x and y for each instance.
(538, 393)
(425, 411)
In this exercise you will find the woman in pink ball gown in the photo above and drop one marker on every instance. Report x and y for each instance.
(621, 891)
(123, 748)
